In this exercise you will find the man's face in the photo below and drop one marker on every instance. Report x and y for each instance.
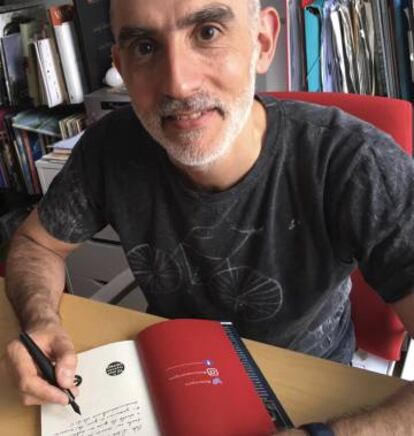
(189, 66)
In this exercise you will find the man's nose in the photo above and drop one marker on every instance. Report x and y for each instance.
(182, 71)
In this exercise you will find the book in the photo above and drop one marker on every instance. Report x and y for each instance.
(61, 150)
(295, 34)
(72, 125)
(313, 20)
(61, 18)
(32, 148)
(13, 60)
(409, 11)
(24, 162)
(39, 121)
(10, 150)
(95, 39)
(178, 378)
(49, 71)
(401, 27)
(28, 32)
(384, 57)
(5, 156)
(4, 183)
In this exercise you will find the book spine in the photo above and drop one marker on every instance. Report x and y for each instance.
(20, 150)
(4, 158)
(70, 62)
(61, 19)
(389, 50)
(32, 155)
(4, 99)
(4, 180)
(9, 161)
(28, 31)
(403, 56)
(379, 55)
(263, 389)
(312, 19)
(4, 72)
(409, 12)
(49, 72)
(11, 150)
(95, 39)
(14, 69)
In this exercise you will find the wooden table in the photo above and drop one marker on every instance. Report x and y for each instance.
(311, 389)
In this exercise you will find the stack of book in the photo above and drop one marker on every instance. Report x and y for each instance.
(62, 149)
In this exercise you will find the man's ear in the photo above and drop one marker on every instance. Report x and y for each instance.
(116, 58)
(268, 34)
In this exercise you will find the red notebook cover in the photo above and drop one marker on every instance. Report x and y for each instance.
(197, 383)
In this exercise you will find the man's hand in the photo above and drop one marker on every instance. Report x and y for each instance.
(57, 345)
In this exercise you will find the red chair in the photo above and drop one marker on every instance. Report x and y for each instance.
(378, 330)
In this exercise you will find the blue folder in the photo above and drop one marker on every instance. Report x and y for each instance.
(401, 29)
(313, 20)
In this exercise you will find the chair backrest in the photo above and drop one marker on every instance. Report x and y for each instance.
(378, 330)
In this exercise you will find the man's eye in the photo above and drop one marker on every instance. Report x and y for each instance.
(143, 48)
(208, 33)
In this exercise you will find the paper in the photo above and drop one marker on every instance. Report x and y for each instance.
(67, 144)
(113, 397)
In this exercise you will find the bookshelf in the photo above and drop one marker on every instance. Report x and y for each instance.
(43, 43)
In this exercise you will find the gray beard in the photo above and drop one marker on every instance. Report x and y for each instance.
(186, 150)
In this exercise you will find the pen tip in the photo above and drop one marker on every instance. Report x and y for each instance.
(75, 407)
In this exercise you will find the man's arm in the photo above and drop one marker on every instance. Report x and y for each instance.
(35, 280)
(393, 417)
(35, 273)
(396, 415)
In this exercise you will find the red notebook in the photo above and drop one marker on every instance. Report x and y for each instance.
(178, 378)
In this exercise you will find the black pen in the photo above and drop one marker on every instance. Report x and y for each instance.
(46, 367)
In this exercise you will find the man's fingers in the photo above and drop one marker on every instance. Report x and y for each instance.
(66, 361)
(35, 390)
(21, 363)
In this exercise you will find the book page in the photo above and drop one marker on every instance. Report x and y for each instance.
(113, 397)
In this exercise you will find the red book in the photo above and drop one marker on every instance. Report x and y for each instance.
(178, 378)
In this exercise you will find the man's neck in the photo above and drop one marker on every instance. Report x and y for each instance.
(231, 168)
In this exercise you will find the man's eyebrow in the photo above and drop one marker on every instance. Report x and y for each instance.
(215, 12)
(128, 33)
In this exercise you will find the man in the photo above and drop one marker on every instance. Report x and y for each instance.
(227, 206)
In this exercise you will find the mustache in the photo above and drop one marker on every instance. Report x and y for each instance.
(200, 102)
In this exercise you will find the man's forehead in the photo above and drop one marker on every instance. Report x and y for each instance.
(163, 12)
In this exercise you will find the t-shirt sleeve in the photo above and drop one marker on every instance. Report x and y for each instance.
(374, 217)
(72, 209)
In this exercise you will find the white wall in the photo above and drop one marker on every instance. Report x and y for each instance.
(276, 79)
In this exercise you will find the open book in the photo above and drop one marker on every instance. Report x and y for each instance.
(178, 378)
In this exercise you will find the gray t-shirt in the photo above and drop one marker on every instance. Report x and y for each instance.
(273, 253)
